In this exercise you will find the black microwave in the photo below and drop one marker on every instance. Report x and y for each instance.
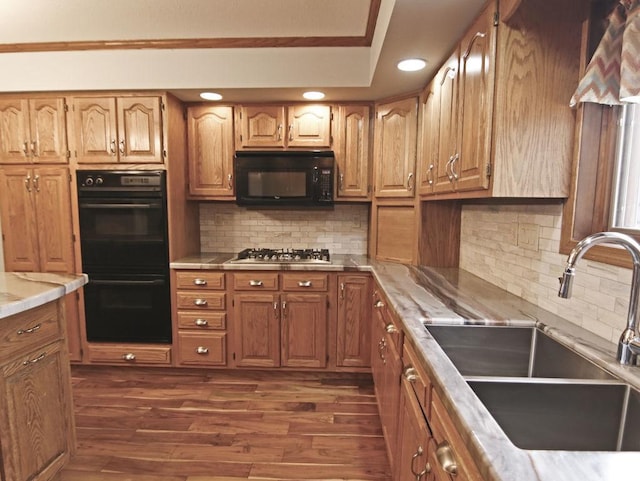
(287, 178)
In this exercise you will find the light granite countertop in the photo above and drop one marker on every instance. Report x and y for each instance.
(20, 291)
(423, 296)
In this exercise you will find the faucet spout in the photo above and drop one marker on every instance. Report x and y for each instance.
(629, 343)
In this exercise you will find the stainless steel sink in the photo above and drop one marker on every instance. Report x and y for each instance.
(574, 416)
(512, 352)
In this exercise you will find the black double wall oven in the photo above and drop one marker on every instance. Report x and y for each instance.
(124, 242)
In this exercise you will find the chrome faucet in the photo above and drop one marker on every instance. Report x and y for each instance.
(629, 343)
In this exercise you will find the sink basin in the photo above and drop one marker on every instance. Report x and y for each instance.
(574, 416)
(512, 352)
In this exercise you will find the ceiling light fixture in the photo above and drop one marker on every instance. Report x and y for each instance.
(313, 95)
(412, 64)
(211, 96)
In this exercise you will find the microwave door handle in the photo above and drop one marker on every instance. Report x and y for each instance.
(157, 282)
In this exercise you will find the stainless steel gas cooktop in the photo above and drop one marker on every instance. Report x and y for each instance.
(302, 256)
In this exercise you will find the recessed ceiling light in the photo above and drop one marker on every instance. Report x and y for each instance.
(211, 96)
(313, 95)
(412, 64)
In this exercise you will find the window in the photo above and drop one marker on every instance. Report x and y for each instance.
(625, 212)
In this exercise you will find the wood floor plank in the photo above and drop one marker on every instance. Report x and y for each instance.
(149, 424)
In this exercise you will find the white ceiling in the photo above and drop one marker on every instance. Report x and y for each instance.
(34, 57)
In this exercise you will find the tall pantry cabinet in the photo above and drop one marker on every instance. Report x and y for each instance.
(35, 193)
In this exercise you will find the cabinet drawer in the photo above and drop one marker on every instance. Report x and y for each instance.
(202, 320)
(201, 300)
(202, 280)
(130, 354)
(418, 379)
(263, 281)
(29, 329)
(305, 282)
(195, 348)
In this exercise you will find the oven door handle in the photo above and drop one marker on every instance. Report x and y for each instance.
(157, 282)
(118, 206)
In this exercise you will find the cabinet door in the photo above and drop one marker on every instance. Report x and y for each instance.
(447, 99)
(351, 130)
(210, 139)
(53, 213)
(256, 320)
(395, 157)
(354, 321)
(413, 438)
(95, 129)
(260, 126)
(48, 130)
(19, 220)
(429, 136)
(304, 330)
(139, 130)
(35, 417)
(309, 126)
(15, 141)
(476, 84)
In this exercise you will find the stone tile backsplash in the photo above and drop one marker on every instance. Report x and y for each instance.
(516, 248)
(229, 228)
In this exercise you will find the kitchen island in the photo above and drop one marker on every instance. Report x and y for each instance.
(37, 432)
(420, 297)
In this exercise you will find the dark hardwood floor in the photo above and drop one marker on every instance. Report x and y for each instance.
(137, 424)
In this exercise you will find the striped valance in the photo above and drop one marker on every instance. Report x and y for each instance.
(613, 75)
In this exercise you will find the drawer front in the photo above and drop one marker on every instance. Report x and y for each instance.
(30, 329)
(255, 281)
(202, 320)
(130, 354)
(201, 300)
(201, 280)
(418, 379)
(305, 282)
(208, 349)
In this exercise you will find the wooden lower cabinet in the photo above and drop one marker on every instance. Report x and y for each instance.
(257, 329)
(36, 418)
(304, 330)
(128, 354)
(354, 321)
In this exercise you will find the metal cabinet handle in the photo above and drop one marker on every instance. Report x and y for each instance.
(409, 182)
(30, 330)
(304, 283)
(379, 305)
(447, 167)
(25, 148)
(200, 282)
(34, 148)
(122, 146)
(202, 350)
(279, 132)
(230, 182)
(446, 458)
(284, 308)
(275, 307)
(454, 159)
(290, 132)
(382, 345)
(427, 467)
(450, 72)
(341, 182)
(36, 183)
(113, 147)
(33, 361)
(200, 302)
(129, 356)
(410, 374)
(473, 40)
(430, 175)
(255, 283)
(342, 291)
(390, 328)
(201, 322)
(27, 183)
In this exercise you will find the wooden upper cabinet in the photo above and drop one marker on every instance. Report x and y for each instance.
(33, 131)
(36, 203)
(429, 126)
(281, 126)
(352, 153)
(210, 140)
(118, 130)
(395, 148)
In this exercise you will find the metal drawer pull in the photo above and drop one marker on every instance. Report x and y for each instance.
(446, 458)
(379, 305)
(410, 374)
(200, 282)
(427, 466)
(33, 361)
(304, 283)
(201, 322)
(129, 356)
(202, 350)
(390, 328)
(254, 283)
(200, 302)
(30, 330)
